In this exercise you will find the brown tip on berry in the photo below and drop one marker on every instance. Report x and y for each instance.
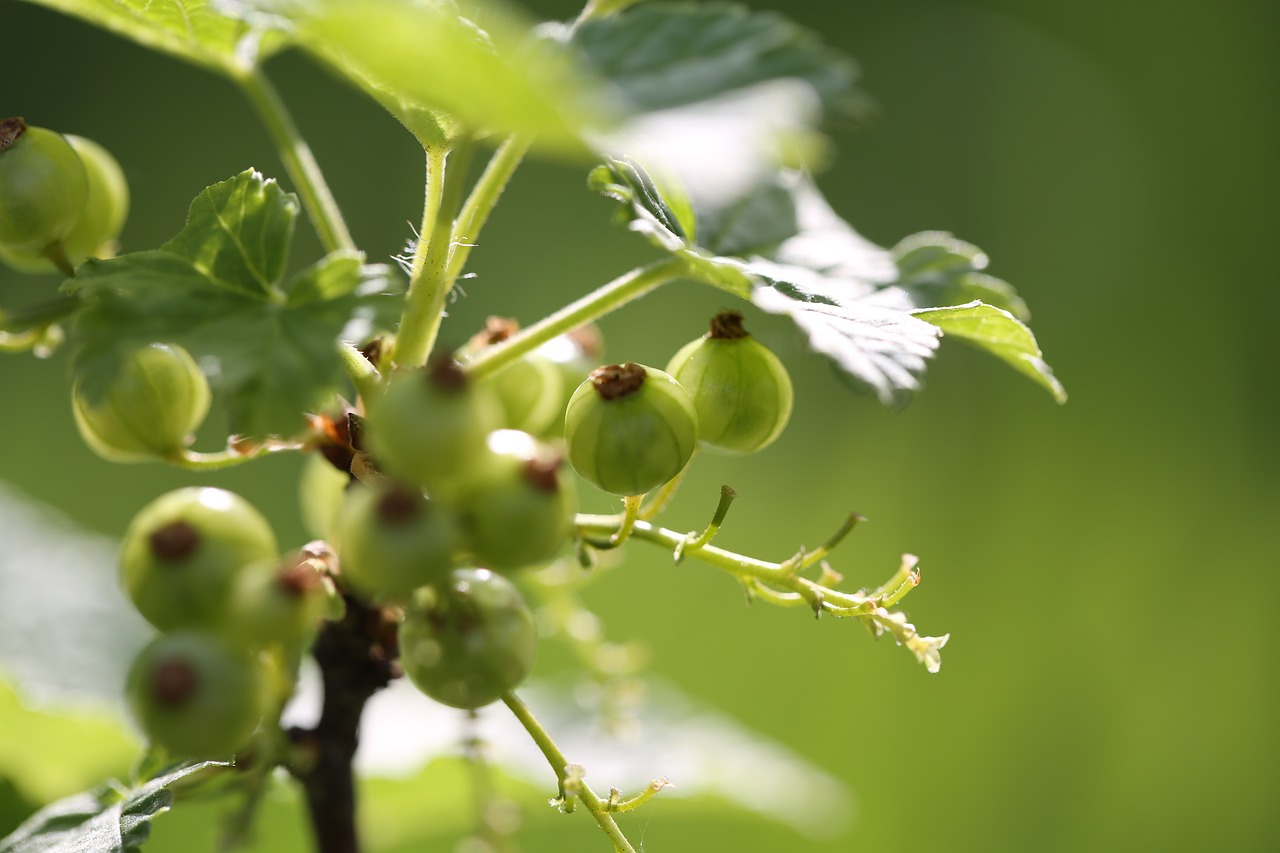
(176, 541)
(614, 381)
(496, 330)
(174, 682)
(727, 326)
(298, 577)
(10, 130)
(541, 473)
(373, 350)
(445, 373)
(399, 505)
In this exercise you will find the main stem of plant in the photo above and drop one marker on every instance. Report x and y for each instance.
(354, 664)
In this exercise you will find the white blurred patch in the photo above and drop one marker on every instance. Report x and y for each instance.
(68, 634)
(720, 148)
(702, 752)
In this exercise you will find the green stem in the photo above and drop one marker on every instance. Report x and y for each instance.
(56, 254)
(363, 374)
(429, 278)
(599, 808)
(594, 305)
(777, 575)
(298, 161)
(191, 460)
(484, 195)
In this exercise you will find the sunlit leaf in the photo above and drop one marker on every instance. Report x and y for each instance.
(206, 32)
(114, 818)
(217, 288)
(1000, 333)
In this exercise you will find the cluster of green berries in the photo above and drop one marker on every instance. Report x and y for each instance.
(203, 567)
(451, 487)
(630, 428)
(62, 198)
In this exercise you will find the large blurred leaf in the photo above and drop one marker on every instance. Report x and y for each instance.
(439, 69)
(782, 247)
(114, 818)
(205, 32)
(663, 55)
(216, 289)
(38, 744)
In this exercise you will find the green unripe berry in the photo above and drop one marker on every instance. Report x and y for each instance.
(95, 231)
(741, 390)
(630, 428)
(142, 404)
(275, 602)
(392, 540)
(521, 511)
(469, 639)
(322, 491)
(196, 696)
(429, 427)
(43, 187)
(183, 551)
(529, 389)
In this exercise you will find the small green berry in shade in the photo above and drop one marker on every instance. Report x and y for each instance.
(630, 428)
(520, 513)
(280, 602)
(574, 355)
(392, 540)
(429, 427)
(322, 491)
(195, 695)
(183, 552)
(741, 390)
(141, 404)
(106, 207)
(468, 639)
(529, 389)
(43, 187)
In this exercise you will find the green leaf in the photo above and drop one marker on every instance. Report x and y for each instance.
(216, 289)
(934, 268)
(212, 34)
(782, 247)
(439, 71)
(1000, 333)
(664, 55)
(113, 818)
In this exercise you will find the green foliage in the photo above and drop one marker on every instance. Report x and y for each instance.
(114, 818)
(198, 31)
(218, 289)
(705, 119)
(663, 55)
(783, 247)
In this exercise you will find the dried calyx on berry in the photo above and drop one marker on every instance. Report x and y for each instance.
(630, 428)
(741, 390)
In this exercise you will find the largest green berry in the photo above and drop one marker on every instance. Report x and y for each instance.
(142, 404)
(43, 187)
(183, 551)
(195, 695)
(630, 428)
(741, 390)
(469, 639)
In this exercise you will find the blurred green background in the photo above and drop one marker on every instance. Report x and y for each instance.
(1107, 569)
